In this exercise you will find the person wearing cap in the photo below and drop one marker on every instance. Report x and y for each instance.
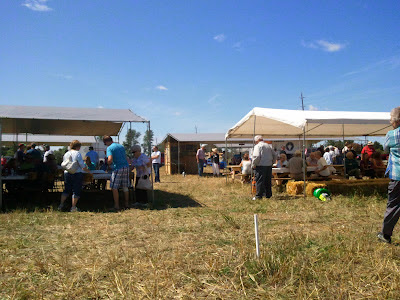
(94, 156)
(200, 158)
(263, 158)
(20, 154)
(369, 148)
(47, 152)
(156, 161)
(392, 145)
(215, 162)
(116, 157)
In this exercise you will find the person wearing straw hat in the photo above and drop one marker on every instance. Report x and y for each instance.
(392, 145)
(263, 158)
(215, 162)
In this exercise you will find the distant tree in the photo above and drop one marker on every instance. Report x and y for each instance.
(378, 146)
(147, 141)
(58, 154)
(131, 138)
(9, 150)
(337, 143)
(161, 147)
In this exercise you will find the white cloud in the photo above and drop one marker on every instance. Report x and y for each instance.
(161, 88)
(37, 5)
(312, 107)
(220, 38)
(324, 45)
(100, 106)
(391, 63)
(213, 99)
(177, 113)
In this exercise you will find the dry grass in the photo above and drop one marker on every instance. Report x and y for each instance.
(198, 243)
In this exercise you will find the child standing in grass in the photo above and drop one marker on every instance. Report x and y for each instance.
(215, 162)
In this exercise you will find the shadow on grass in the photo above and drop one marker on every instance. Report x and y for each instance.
(164, 200)
(93, 201)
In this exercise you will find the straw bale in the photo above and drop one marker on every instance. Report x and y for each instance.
(294, 187)
(311, 187)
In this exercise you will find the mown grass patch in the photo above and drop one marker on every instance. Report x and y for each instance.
(198, 242)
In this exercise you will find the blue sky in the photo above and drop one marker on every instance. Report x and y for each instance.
(204, 64)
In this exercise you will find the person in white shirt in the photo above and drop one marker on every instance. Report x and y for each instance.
(327, 156)
(263, 158)
(73, 182)
(323, 169)
(156, 160)
(47, 153)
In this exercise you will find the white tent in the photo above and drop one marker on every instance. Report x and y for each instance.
(285, 123)
(316, 124)
(65, 120)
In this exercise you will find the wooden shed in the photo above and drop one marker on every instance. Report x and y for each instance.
(180, 150)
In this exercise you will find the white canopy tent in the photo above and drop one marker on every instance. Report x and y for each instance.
(64, 121)
(285, 123)
(315, 124)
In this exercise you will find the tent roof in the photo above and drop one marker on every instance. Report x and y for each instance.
(327, 124)
(210, 138)
(52, 140)
(64, 120)
(219, 138)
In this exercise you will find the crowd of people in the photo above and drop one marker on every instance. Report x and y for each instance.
(30, 159)
(116, 162)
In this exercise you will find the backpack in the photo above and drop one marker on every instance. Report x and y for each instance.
(69, 165)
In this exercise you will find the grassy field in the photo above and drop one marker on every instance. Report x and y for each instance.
(198, 242)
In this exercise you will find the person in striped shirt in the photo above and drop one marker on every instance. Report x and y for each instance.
(392, 145)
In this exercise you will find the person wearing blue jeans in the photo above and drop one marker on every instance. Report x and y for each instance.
(201, 157)
(156, 160)
(392, 145)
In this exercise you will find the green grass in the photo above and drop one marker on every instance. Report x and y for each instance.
(198, 242)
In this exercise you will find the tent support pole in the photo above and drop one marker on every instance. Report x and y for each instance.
(1, 171)
(225, 157)
(179, 158)
(254, 142)
(344, 158)
(304, 161)
(151, 168)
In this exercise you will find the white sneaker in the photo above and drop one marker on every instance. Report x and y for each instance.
(254, 198)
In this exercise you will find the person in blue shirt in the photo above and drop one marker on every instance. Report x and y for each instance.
(392, 145)
(116, 157)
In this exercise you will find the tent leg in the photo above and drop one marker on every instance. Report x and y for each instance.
(226, 158)
(304, 161)
(251, 172)
(151, 169)
(344, 158)
(179, 159)
(1, 171)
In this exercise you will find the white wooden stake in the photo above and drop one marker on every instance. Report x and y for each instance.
(256, 233)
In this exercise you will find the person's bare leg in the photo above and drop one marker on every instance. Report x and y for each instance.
(116, 198)
(74, 200)
(63, 198)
